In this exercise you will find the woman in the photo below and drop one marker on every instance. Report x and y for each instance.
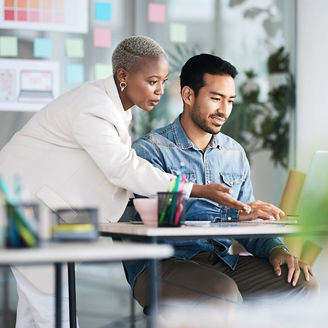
(76, 152)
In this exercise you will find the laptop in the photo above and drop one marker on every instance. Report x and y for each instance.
(312, 208)
(313, 203)
(36, 86)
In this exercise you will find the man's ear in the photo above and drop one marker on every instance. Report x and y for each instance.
(121, 75)
(188, 95)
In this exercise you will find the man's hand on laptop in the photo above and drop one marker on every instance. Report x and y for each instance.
(262, 210)
(220, 194)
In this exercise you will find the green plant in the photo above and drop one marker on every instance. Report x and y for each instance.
(265, 125)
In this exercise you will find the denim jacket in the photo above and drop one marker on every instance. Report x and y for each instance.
(224, 161)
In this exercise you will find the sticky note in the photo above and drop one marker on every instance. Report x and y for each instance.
(74, 73)
(103, 11)
(178, 32)
(102, 71)
(42, 48)
(75, 48)
(8, 46)
(156, 13)
(102, 37)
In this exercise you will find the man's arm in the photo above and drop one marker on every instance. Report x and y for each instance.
(260, 247)
(271, 248)
(280, 255)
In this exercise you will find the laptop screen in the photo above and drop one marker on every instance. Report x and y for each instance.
(36, 81)
(313, 203)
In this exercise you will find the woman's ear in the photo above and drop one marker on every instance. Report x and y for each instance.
(188, 95)
(121, 75)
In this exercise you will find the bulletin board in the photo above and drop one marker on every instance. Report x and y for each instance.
(45, 15)
(48, 47)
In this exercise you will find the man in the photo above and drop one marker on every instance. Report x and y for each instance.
(205, 269)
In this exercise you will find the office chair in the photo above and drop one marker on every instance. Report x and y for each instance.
(305, 250)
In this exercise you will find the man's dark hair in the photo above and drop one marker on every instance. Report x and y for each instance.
(192, 73)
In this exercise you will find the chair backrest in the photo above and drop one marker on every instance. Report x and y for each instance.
(288, 204)
(129, 212)
(292, 192)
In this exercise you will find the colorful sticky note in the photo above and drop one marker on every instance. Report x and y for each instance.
(9, 3)
(8, 46)
(74, 73)
(22, 4)
(102, 71)
(103, 11)
(42, 48)
(102, 37)
(9, 15)
(156, 13)
(75, 48)
(178, 32)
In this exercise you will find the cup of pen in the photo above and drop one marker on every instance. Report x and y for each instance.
(171, 208)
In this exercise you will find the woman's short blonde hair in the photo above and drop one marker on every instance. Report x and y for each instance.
(132, 49)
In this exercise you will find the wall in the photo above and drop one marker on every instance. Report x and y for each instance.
(228, 33)
(312, 69)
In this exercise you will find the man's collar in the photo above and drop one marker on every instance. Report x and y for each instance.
(182, 140)
(215, 141)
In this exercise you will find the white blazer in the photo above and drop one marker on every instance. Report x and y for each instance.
(76, 152)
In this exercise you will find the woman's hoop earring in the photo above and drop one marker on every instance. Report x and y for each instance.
(122, 86)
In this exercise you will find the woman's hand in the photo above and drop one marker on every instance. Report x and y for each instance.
(219, 194)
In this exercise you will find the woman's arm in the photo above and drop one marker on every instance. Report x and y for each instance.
(219, 194)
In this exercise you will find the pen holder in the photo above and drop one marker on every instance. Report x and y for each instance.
(22, 228)
(75, 224)
(171, 209)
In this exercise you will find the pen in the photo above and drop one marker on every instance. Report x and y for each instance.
(17, 217)
(174, 203)
(169, 198)
(167, 202)
(179, 205)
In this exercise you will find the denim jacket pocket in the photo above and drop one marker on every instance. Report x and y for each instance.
(231, 179)
(190, 175)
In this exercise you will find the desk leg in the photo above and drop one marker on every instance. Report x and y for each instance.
(5, 305)
(153, 292)
(72, 295)
(58, 294)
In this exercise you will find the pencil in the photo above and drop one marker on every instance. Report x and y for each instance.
(179, 205)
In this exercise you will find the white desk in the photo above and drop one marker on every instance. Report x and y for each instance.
(135, 231)
(98, 251)
(259, 229)
(233, 229)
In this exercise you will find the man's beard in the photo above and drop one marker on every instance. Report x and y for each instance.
(202, 123)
